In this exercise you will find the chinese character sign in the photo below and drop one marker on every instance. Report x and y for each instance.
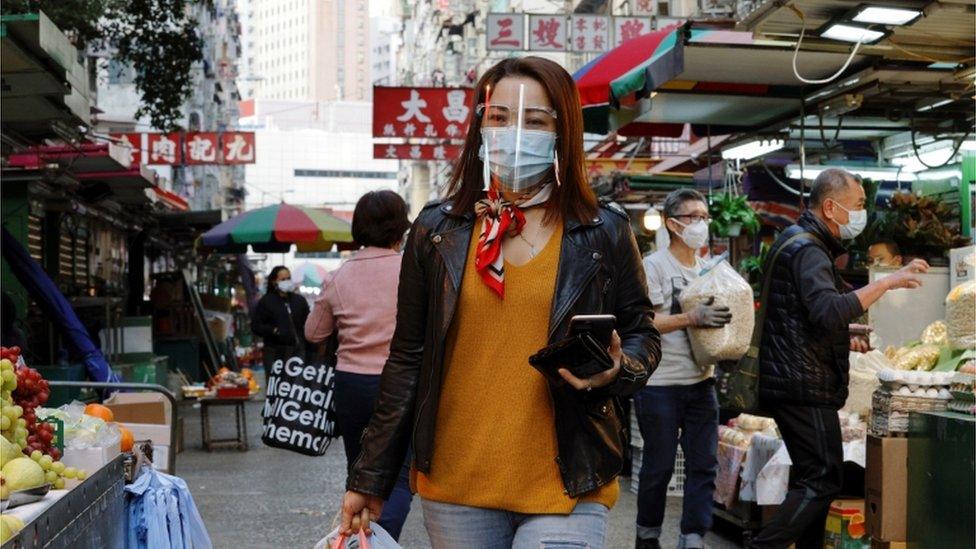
(628, 28)
(164, 148)
(644, 7)
(201, 148)
(591, 33)
(238, 148)
(134, 142)
(416, 152)
(547, 33)
(506, 31)
(432, 113)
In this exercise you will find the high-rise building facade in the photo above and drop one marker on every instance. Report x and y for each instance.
(316, 50)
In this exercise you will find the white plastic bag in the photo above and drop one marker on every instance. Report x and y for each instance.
(379, 539)
(961, 316)
(730, 342)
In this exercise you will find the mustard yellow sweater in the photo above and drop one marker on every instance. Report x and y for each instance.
(496, 438)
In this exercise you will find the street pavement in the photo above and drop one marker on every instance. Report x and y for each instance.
(273, 498)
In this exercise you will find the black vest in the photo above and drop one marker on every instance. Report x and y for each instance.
(800, 362)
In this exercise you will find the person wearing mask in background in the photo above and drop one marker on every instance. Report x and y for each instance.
(679, 402)
(359, 301)
(279, 317)
(804, 351)
(885, 253)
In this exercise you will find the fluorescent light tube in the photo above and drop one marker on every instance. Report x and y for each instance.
(752, 149)
(811, 171)
(851, 33)
(886, 16)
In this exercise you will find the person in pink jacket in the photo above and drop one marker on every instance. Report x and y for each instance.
(359, 303)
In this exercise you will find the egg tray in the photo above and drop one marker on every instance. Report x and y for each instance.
(885, 403)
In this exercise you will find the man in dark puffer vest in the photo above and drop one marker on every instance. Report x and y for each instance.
(805, 348)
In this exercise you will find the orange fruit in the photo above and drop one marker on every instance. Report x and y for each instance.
(128, 440)
(248, 373)
(99, 411)
(223, 370)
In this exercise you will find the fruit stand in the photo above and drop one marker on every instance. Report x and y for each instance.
(63, 470)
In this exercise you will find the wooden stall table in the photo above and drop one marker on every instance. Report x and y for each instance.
(240, 441)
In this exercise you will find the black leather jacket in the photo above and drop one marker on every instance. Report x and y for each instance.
(600, 271)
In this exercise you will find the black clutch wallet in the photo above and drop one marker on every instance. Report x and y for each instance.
(581, 354)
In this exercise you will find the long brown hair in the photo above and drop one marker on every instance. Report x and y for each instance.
(573, 198)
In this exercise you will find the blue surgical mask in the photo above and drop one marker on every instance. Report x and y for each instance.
(536, 154)
(286, 285)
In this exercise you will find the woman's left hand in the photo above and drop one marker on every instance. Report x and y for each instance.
(603, 378)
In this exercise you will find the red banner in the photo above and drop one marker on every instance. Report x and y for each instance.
(191, 148)
(201, 147)
(238, 148)
(416, 152)
(164, 148)
(440, 113)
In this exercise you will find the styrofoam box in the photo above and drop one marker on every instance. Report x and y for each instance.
(89, 459)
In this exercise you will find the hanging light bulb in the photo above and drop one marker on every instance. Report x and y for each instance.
(652, 219)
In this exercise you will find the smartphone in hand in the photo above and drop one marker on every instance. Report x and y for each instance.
(599, 326)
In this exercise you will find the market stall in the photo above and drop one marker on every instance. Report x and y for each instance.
(72, 474)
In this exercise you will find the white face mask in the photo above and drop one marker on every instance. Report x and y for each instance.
(857, 220)
(695, 235)
(286, 285)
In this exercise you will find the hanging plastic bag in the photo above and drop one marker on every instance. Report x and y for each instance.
(728, 289)
(379, 539)
(961, 316)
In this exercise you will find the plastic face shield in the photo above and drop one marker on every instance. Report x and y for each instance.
(517, 142)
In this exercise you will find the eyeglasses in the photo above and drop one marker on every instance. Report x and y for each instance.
(694, 218)
(503, 116)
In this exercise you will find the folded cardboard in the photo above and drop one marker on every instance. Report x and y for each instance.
(878, 544)
(886, 488)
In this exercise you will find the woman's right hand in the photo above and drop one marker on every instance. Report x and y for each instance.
(358, 510)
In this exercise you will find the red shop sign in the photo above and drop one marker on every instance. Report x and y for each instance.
(440, 113)
(201, 148)
(164, 148)
(238, 148)
(416, 152)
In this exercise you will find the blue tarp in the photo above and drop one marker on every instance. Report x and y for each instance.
(56, 307)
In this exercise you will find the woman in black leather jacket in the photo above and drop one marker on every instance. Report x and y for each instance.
(503, 457)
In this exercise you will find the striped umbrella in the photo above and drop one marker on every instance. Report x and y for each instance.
(274, 229)
(309, 274)
(623, 76)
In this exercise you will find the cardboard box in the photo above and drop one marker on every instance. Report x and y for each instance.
(878, 544)
(145, 414)
(886, 488)
(845, 525)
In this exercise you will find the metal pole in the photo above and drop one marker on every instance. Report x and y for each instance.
(171, 455)
(803, 152)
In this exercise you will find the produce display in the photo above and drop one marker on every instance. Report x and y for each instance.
(961, 316)
(28, 456)
(9, 526)
(726, 288)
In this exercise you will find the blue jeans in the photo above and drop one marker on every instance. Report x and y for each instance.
(668, 415)
(355, 398)
(460, 527)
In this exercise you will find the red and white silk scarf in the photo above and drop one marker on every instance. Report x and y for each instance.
(500, 218)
